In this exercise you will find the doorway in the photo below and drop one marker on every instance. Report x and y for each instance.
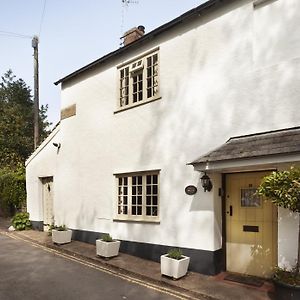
(47, 196)
(251, 226)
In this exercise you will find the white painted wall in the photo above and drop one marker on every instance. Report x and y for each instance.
(229, 73)
(288, 224)
(42, 163)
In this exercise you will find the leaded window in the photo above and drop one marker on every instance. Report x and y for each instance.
(138, 196)
(139, 81)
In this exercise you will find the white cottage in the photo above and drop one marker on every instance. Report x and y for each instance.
(123, 159)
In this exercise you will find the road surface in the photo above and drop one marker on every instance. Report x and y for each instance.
(29, 272)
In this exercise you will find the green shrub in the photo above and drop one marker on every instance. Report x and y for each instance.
(175, 253)
(21, 221)
(290, 277)
(283, 189)
(12, 190)
(106, 237)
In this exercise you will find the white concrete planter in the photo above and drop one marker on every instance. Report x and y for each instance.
(173, 267)
(61, 237)
(107, 249)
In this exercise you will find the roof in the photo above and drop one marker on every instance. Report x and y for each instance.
(284, 141)
(195, 12)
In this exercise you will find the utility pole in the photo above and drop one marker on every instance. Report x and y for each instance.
(35, 43)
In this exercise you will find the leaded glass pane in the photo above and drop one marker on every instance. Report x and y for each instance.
(249, 198)
(122, 196)
(139, 210)
(148, 211)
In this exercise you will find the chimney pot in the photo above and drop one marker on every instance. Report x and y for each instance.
(141, 28)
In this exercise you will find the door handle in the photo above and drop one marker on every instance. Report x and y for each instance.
(230, 211)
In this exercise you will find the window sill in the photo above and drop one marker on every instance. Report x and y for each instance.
(136, 104)
(140, 221)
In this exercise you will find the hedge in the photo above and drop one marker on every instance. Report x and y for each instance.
(12, 190)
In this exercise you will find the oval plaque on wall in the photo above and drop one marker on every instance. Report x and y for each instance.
(190, 190)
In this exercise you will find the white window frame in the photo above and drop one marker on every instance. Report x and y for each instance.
(134, 67)
(129, 216)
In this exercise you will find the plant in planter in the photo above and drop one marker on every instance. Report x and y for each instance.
(283, 189)
(61, 234)
(107, 247)
(174, 263)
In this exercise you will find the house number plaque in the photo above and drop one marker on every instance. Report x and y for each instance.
(190, 190)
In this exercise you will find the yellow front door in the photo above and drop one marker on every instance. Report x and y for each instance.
(251, 226)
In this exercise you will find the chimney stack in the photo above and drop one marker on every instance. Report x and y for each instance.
(133, 34)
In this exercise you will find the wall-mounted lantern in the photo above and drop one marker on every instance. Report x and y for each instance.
(206, 183)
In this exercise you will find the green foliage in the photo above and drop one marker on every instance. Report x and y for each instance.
(16, 139)
(106, 237)
(55, 227)
(12, 189)
(21, 221)
(290, 277)
(16, 121)
(61, 228)
(175, 253)
(283, 188)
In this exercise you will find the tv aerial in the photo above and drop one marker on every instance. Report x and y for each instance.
(125, 6)
(127, 2)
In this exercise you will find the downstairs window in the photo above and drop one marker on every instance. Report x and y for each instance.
(138, 196)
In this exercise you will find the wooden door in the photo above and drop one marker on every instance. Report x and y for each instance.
(47, 202)
(251, 226)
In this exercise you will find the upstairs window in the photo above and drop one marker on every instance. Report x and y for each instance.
(138, 196)
(139, 81)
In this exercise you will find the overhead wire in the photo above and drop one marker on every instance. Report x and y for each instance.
(25, 36)
(14, 34)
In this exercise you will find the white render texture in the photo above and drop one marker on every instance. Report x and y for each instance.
(288, 224)
(107, 249)
(232, 72)
(175, 268)
(42, 163)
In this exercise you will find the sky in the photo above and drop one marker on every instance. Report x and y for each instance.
(72, 33)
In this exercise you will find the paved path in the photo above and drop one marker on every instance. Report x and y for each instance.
(35, 272)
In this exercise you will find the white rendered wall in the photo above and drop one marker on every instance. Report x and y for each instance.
(42, 163)
(288, 224)
(218, 79)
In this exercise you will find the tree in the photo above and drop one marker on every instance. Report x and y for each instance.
(16, 139)
(16, 121)
(283, 189)
(12, 190)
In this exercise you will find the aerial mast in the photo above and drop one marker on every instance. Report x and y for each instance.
(125, 5)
